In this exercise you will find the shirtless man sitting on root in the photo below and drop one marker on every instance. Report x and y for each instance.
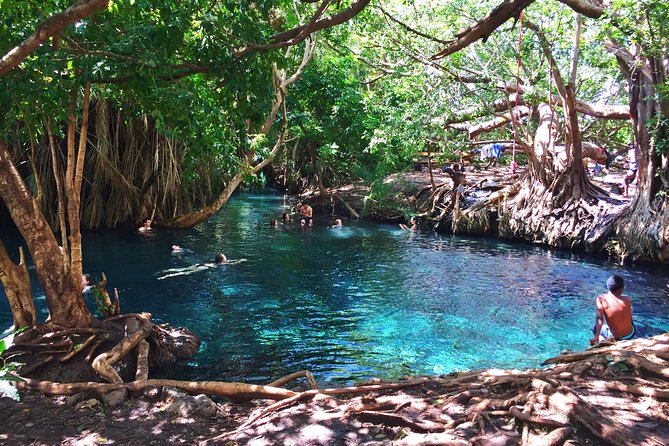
(614, 313)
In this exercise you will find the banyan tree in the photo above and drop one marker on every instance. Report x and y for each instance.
(542, 80)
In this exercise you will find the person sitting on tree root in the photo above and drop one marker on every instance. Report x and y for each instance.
(614, 313)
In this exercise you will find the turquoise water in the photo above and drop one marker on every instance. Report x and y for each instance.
(360, 301)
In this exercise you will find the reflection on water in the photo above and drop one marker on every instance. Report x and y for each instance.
(359, 301)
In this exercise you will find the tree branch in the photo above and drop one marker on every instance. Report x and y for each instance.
(484, 27)
(298, 34)
(51, 26)
(584, 7)
(410, 29)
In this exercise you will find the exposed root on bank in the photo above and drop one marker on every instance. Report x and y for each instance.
(642, 232)
(117, 348)
(615, 393)
(612, 393)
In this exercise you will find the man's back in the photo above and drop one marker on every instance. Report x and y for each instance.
(618, 312)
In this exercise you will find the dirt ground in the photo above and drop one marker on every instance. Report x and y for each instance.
(613, 394)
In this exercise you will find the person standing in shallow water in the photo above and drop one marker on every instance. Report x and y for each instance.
(307, 214)
(614, 313)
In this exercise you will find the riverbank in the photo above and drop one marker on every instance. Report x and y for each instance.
(485, 197)
(613, 394)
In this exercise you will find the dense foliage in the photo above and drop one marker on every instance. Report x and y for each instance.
(370, 100)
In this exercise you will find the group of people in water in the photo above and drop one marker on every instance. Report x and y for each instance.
(613, 309)
(306, 218)
(219, 259)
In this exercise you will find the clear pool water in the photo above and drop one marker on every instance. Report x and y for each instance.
(360, 301)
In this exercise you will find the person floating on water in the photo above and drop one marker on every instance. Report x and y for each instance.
(338, 223)
(285, 218)
(307, 214)
(219, 260)
(614, 313)
(273, 223)
(146, 226)
(413, 222)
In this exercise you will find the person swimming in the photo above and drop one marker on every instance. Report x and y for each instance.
(307, 214)
(338, 223)
(220, 260)
(146, 226)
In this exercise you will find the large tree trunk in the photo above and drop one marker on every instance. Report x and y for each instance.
(643, 231)
(16, 281)
(73, 180)
(64, 298)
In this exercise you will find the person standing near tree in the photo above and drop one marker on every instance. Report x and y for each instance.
(614, 313)
(631, 169)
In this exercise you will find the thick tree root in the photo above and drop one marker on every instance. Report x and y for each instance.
(288, 378)
(127, 339)
(103, 362)
(233, 390)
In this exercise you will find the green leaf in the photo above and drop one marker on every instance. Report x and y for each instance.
(7, 390)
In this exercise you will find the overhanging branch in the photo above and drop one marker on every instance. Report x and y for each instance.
(584, 7)
(484, 27)
(298, 34)
(50, 27)
(410, 29)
